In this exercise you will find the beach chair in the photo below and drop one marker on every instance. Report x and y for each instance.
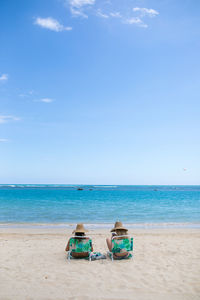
(80, 245)
(121, 244)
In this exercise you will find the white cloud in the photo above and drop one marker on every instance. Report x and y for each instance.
(3, 77)
(51, 24)
(77, 7)
(146, 11)
(142, 13)
(3, 140)
(5, 119)
(108, 15)
(115, 14)
(80, 3)
(100, 14)
(46, 100)
(136, 21)
(78, 13)
(109, 9)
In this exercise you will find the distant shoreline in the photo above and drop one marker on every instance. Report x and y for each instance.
(91, 226)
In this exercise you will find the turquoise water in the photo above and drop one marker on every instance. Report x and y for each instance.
(99, 204)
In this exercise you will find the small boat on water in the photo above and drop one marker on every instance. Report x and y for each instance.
(79, 189)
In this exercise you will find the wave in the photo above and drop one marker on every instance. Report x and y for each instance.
(93, 226)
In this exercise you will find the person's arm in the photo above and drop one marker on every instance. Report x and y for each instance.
(67, 247)
(109, 243)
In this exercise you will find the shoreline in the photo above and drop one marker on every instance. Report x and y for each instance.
(93, 226)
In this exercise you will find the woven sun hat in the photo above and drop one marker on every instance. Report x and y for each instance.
(118, 225)
(80, 229)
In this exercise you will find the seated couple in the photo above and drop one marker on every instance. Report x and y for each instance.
(119, 245)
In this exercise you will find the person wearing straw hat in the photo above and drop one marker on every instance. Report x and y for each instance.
(79, 233)
(121, 231)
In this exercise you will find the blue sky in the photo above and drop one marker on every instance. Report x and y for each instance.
(100, 91)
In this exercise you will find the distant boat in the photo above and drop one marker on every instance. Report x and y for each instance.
(79, 189)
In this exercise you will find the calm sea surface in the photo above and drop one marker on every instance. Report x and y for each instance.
(99, 204)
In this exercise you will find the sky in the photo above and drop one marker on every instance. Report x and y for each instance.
(100, 91)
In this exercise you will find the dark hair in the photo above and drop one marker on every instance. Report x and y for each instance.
(79, 233)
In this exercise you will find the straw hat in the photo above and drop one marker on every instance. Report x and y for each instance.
(118, 225)
(80, 229)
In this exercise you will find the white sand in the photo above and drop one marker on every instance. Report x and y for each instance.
(33, 265)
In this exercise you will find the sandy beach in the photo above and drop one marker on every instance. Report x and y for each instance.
(33, 265)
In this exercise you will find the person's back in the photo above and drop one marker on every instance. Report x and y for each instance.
(79, 235)
(118, 233)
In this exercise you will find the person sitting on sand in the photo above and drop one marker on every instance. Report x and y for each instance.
(79, 233)
(117, 231)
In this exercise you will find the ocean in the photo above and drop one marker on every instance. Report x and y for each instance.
(98, 204)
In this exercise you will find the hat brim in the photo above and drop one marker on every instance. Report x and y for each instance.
(120, 228)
